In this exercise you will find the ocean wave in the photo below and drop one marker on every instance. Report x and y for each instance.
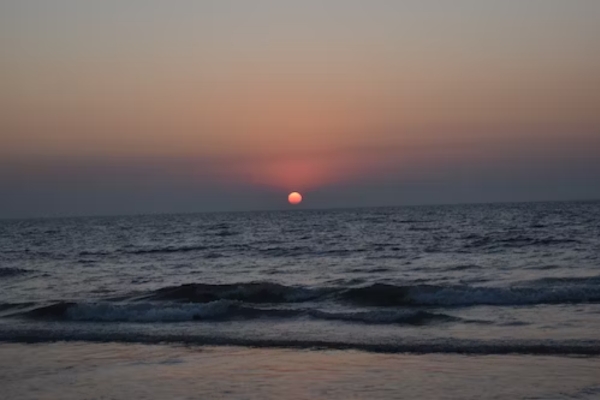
(410, 317)
(544, 291)
(85, 253)
(221, 310)
(433, 346)
(386, 303)
(278, 251)
(8, 272)
(487, 242)
(566, 281)
(225, 233)
(444, 268)
(167, 249)
(463, 267)
(545, 267)
(253, 292)
(14, 306)
(214, 255)
(384, 295)
(147, 312)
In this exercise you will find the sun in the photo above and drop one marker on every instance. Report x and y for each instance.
(295, 198)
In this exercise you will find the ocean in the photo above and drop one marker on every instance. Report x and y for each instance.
(486, 301)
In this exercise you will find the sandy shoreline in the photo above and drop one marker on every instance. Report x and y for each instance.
(80, 370)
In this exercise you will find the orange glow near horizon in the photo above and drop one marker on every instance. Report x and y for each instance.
(299, 173)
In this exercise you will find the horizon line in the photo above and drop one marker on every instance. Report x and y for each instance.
(290, 208)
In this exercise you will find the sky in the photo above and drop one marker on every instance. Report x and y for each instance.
(144, 106)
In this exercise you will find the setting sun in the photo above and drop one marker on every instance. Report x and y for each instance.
(295, 198)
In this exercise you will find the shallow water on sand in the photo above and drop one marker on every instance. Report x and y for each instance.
(125, 371)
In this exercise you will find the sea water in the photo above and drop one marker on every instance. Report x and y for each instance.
(462, 301)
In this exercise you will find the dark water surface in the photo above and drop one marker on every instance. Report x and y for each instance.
(487, 280)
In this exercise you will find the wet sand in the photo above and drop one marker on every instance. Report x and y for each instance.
(80, 370)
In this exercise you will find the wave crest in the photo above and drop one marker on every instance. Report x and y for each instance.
(221, 310)
(253, 292)
(383, 295)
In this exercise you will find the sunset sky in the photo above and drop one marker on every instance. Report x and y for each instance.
(135, 106)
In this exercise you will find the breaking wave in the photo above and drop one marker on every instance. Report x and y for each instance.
(222, 310)
(253, 292)
(150, 312)
(551, 291)
(373, 304)
(543, 291)
(384, 295)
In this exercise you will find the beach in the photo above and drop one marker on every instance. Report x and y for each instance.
(123, 371)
